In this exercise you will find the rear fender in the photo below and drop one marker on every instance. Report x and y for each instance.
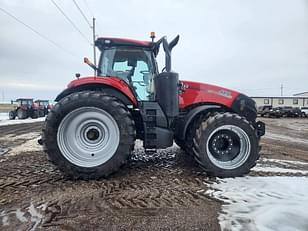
(112, 86)
(183, 124)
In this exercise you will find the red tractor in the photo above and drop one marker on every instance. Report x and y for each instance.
(92, 129)
(43, 106)
(25, 108)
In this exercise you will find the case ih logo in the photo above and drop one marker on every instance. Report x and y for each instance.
(221, 92)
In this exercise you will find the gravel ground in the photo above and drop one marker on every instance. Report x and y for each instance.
(159, 191)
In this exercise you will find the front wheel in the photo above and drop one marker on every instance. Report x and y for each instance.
(12, 115)
(89, 135)
(226, 145)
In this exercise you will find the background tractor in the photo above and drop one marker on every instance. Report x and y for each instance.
(43, 106)
(92, 129)
(25, 108)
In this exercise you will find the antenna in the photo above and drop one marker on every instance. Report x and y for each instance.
(94, 49)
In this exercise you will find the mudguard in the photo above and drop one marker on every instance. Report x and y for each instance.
(183, 124)
(117, 85)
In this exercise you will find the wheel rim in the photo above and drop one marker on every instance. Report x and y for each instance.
(228, 147)
(88, 136)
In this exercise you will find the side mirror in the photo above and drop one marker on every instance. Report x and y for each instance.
(87, 61)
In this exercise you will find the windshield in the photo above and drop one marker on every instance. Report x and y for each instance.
(134, 66)
(43, 103)
(25, 102)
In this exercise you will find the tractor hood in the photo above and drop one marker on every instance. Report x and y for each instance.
(201, 93)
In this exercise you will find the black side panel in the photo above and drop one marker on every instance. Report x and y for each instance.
(156, 132)
(153, 114)
(246, 107)
(167, 92)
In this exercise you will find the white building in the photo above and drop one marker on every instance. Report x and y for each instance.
(297, 100)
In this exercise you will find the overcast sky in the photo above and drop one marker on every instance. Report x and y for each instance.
(252, 46)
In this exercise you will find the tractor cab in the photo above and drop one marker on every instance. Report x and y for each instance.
(132, 61)
(43, 107)
(24, 102)
(157, 94)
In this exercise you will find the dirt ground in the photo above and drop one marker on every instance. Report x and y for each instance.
(159, 191)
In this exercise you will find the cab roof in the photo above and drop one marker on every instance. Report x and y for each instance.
(109, 42)
(19, 99)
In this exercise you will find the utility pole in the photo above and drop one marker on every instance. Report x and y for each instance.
(94, 49)
(281, 89)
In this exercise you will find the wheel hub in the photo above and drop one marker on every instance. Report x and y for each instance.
(228, 146)
(88, 136)
(93, 134)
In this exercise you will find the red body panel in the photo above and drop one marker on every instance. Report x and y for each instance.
(195, 93)
(110, 81)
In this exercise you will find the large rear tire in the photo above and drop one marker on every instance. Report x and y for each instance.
(226, 145)
(89, 135)
(22, 114)
(41, 113)
(35, 114)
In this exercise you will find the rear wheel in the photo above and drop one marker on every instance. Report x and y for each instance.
(41, 113)
(35, 114)
(226, 145)
(89, 135)
(22, 114)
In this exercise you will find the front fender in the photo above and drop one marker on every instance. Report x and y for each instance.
(183, 124)
(246, 107)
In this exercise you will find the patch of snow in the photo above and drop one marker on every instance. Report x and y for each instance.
(262, 203)
(5, 219)
(287, 138)
(35, 216)
(3, 151)
(273, 169)
(290, 162)
(4, 120)
(4, 116)
(13, 137)
(284, 166)
(20, 215)
(29, 146)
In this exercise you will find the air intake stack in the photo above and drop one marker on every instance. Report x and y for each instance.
(167, 84)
